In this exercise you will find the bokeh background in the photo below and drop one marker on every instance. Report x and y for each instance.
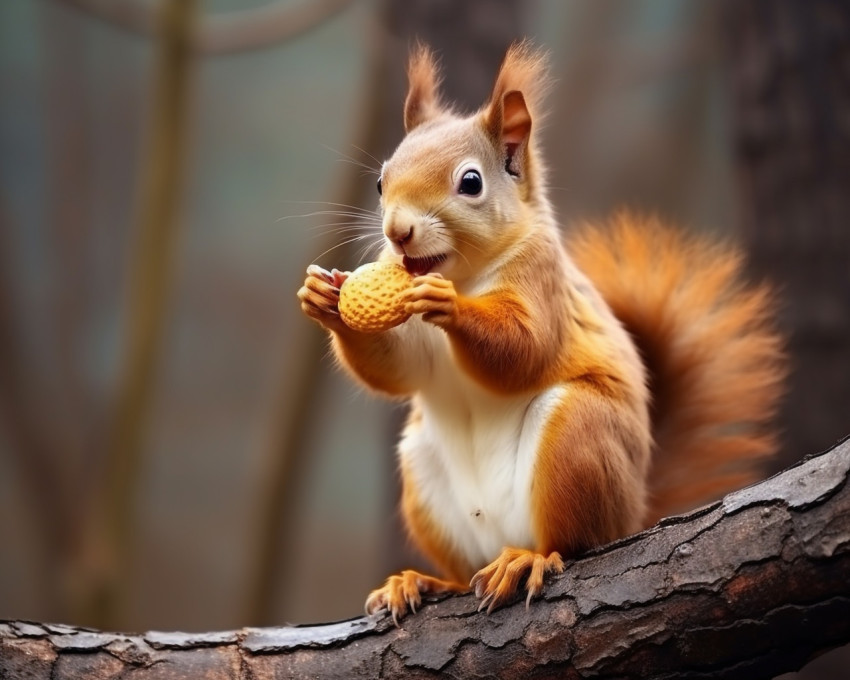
(177, 450)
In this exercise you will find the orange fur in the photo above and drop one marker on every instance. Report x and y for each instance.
(716, 364)
(595, 387)
(511, 339)
(589, 477)
(370, 360)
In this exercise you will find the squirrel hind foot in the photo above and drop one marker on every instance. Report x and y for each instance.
(497, 583)
(403, 592)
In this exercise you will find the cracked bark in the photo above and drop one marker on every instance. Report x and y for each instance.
(749, 587)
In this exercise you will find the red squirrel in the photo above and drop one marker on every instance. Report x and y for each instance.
(564, 391)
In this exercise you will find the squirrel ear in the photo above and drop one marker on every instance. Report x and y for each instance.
(509, 125)
(423, 101)
(515, 102)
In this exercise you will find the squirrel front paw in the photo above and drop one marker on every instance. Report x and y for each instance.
(434, 298)
(320, 296)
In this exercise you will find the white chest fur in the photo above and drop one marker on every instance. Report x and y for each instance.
(472, 456)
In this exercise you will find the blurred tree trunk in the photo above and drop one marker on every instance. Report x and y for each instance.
(66, 399)
(36, 388)
(31, 445)
(101, 569)
(789, 68)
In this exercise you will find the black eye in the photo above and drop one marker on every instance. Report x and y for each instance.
(380, 187)
(471, 183)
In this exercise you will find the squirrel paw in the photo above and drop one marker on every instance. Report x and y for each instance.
(498, 581)
(403, 591)
(320, 296)
(434, 297)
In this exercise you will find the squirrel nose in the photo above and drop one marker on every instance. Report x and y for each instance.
(406, 238)
(401, 235)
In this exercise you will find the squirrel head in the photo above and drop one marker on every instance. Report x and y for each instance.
(459, 190)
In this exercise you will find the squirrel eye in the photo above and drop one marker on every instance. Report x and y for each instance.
(471, 183)
(380, 187)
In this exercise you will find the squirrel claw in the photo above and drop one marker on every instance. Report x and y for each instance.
(499, 580)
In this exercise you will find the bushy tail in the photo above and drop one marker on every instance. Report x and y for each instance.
(716, 365)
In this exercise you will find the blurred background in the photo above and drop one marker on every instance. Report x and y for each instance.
(177, 450)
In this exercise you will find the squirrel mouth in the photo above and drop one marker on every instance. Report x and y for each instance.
(417, 266)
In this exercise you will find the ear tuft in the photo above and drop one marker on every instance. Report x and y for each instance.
(525, 69)
(517, 100)
(423, 99)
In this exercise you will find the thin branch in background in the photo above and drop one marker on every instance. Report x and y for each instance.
(265, 26)
(133, 16)
(147, 302)
(224, 33)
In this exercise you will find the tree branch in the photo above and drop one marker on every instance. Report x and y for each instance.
(237, 31)
(749, 587)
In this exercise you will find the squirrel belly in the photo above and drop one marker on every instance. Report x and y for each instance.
(468, 456)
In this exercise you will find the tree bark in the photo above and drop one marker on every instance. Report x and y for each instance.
(750, 587)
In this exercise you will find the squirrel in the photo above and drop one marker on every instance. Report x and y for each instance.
(564, 390)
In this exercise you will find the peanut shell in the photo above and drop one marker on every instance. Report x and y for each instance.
(370, 298)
